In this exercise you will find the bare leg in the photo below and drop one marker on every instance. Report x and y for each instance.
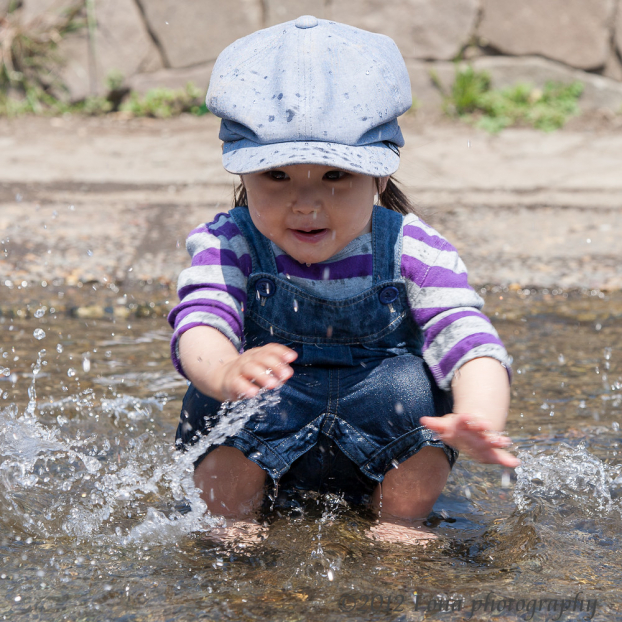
(408, 495)
(232, 486)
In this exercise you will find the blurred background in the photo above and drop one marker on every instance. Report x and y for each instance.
(109, 47)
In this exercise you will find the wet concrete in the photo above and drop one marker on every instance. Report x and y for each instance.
(111, 200)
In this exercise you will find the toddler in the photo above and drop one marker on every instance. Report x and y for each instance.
(324, 282)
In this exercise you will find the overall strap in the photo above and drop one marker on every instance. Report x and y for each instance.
(260, 246)
(386, 231)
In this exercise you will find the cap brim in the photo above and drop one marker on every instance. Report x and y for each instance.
(245, 156)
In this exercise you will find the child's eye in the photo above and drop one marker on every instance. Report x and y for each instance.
(335, 175)
(277, 175)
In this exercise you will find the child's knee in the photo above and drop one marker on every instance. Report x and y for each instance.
(231, 484)
(411, 489)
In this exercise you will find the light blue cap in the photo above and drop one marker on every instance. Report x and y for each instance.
(310, 91)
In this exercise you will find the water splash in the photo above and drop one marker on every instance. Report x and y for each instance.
(327, 565)
(118, 491)
(569, 476)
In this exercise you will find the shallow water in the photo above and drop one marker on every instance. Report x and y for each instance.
(99, 519)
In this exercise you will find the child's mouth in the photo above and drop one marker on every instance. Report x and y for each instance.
(314, 235)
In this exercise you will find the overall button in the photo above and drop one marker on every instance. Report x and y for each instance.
(265, 288)
(306, 21)
(388, 295)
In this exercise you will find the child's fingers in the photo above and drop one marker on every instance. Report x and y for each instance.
(259, 374)
(275, 366)
(240, 387)
(435, 423)
(285, 354)
(499, 456)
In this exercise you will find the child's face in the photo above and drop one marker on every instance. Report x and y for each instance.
(311, 211)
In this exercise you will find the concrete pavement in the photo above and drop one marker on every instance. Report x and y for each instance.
(107, 199)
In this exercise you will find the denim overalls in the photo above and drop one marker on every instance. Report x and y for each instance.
(351, 410)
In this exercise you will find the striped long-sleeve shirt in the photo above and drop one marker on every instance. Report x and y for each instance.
(212, 291)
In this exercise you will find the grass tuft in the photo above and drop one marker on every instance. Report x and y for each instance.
(29, 61)
(163, 103)
(474, 100)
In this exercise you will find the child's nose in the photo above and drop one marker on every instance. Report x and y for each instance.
(307, 201)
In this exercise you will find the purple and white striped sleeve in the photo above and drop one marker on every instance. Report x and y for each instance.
(444, 305)
(212, 291)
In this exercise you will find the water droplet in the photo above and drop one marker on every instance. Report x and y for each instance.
(86, 364)
(5, 371)
(295, 305)
(71, 372)
(395, 463)
(399, 408)
(38, 333)
(40, 312)
(467, 492)
(561, 359)
(469, 143)
(505, 479)
(59, 348)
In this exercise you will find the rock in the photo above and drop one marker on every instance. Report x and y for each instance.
(123, 46)
(599, 92)
(172, 78)
(35, 9)
(575, 32)
(423, 29)
(277, 11)
(91, 312)
(196, 31)
(424, 88)
(613, 67)
(4, 7)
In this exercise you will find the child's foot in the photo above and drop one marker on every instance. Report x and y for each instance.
(396, 533)
(239, 533)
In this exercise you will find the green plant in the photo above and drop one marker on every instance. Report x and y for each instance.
(93, 106)
(163, 103)
(472, 99)
(29, 62)
(115, 80)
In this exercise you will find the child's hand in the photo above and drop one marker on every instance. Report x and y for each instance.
(266, 367)
(470, 434)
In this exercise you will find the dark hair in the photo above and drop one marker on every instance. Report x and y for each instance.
(392, 198)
